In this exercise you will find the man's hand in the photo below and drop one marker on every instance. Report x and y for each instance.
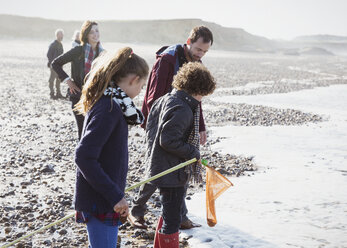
(122, 207)
(203, 138)
(73, 87)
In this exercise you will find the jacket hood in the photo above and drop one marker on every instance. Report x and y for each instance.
(169, 52)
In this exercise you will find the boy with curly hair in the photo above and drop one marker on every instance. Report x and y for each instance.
(172, 134)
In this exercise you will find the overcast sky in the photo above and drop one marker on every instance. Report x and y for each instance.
(279, 19)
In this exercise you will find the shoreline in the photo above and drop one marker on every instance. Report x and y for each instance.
(38, 137)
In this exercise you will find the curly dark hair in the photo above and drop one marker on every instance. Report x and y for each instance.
(195, 79)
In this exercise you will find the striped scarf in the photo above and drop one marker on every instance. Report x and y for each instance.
(89, 56)
(194, 170)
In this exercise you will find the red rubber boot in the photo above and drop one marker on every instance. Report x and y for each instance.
(169, 240)
(156, 236)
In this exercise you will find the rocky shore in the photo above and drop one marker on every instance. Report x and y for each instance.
(38, 137)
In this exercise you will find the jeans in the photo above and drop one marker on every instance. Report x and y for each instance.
(101, 235)
(146, 191)
(172, 200)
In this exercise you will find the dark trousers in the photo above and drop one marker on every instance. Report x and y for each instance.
(79, 118)
(172, 202)
(146, 191)
(54, 77)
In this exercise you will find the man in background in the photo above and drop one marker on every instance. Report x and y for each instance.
(76, 39)
(55, 49)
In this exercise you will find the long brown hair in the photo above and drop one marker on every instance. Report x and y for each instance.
(109, 68)
(85, 29)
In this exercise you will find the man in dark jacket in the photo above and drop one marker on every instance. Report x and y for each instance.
(172, 135)
(55, 49)
(169, 60)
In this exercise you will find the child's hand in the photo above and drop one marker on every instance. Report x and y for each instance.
(122, 207)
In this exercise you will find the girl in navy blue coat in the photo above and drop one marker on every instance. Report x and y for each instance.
(102, 153)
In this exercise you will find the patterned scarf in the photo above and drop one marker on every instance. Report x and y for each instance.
(194, 170)
(89, 56)
(132, 115)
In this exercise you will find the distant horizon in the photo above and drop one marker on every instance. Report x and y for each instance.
(171, 19)
(273, 19)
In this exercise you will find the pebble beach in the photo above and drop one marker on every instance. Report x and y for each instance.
(39, 135)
